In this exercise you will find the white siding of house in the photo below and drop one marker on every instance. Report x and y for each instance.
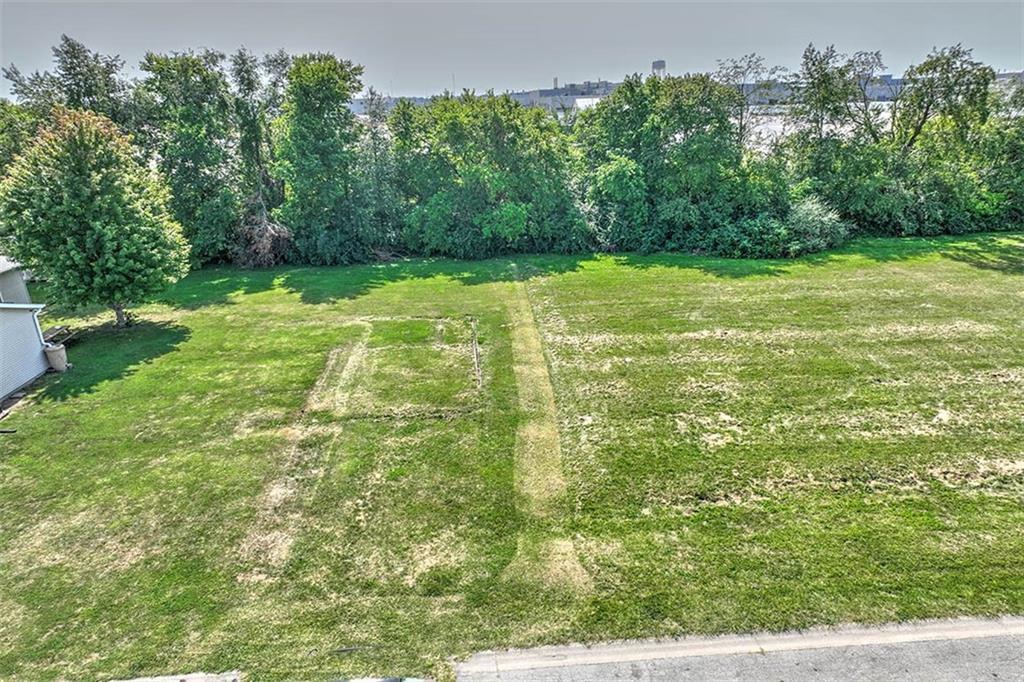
(12, 287)
(21, 347)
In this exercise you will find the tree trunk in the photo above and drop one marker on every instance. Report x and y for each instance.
(120, 316)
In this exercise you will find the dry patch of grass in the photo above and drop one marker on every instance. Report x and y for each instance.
(334, 386)
(279, 516)
(551, 561)
(88, 541)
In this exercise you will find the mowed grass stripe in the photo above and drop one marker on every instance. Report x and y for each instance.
(539, 478)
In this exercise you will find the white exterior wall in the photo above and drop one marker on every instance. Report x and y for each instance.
(21, 347)
(13, 288)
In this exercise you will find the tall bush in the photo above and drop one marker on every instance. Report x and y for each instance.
(483, 175)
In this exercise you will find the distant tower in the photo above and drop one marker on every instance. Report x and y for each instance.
(556, 82)
(658, 68)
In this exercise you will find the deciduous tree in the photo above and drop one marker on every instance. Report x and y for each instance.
(17, 125)
(189, 107)
(81, 212)
(317, 161)
(484, 175)
(260, 241)
(81, 79)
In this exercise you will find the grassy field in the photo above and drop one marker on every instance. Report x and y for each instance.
(316, 473)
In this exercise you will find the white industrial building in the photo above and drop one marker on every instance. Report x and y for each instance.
(22, 358)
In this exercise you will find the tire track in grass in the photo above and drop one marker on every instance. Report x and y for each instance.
(332, 389)
(279, 508)
(539, 479)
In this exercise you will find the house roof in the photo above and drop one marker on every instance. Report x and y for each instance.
(21, 306)
(8, 264)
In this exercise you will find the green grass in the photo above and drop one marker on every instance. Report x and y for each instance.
(295, 472)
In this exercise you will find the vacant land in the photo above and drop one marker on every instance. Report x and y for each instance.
(312, 473)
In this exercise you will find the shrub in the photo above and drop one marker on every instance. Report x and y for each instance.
(810, 227)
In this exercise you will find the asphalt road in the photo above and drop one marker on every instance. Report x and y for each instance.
(935, 650)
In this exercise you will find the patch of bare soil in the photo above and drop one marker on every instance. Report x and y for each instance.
(279, 509)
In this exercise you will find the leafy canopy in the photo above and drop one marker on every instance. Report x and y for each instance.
(485, 175)
(186, 96)
(317, 159)
(81, 79)
(81, 212)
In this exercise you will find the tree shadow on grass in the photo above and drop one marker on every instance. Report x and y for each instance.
(1002, 252)
(999, 253)
(217, 285)
(326, 285)
(728, 268)
(105, 353)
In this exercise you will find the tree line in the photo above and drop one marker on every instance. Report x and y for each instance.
(259, 160)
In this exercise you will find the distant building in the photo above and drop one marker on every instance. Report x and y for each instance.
(1007, 80)
(358, 105)
(559, 99)
(566, 97)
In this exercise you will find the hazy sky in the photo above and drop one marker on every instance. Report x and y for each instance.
(418, 48)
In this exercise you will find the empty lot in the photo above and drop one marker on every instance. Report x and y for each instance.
(313, 473)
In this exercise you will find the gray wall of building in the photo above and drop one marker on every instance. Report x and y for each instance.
(21, 348)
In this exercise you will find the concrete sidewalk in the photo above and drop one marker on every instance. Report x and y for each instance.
(963, 649)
